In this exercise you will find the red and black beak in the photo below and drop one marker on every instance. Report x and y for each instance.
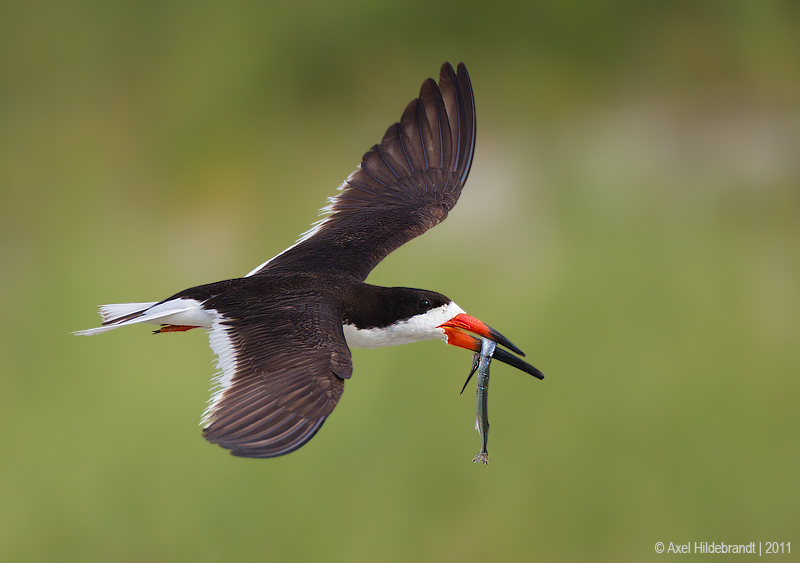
(454, 332)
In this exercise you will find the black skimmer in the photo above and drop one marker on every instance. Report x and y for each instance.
(282, 334)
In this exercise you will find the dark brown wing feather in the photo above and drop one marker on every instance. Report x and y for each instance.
(285, 364)
(403, 187)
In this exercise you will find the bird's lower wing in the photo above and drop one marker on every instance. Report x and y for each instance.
(277, 384)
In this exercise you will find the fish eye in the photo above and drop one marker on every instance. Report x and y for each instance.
(424, 304)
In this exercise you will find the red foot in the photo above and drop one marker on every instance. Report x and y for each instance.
(174, 328)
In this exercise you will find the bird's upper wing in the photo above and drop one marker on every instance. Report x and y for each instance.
(283, 365)
(403, 187)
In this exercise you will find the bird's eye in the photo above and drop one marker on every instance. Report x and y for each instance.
(424, 304)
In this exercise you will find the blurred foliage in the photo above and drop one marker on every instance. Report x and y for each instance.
(632, 221)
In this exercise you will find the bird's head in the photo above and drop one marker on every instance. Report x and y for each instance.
(412, 315)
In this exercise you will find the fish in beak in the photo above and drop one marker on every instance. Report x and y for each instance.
(457, 331)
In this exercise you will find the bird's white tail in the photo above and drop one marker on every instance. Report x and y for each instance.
(114, 312)
(177, 312)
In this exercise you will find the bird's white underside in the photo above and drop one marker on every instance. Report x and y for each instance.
(419, 327)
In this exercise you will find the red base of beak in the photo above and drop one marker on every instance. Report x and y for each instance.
(465, 322)
(454, 332)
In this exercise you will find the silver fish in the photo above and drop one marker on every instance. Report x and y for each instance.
(481, 362)
(486, 350)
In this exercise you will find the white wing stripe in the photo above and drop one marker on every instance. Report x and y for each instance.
(222, 345)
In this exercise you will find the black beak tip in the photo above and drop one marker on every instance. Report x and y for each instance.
(500, 339)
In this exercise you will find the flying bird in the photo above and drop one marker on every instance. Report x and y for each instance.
(282, 334)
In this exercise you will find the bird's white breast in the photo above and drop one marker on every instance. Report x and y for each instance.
(424, 326)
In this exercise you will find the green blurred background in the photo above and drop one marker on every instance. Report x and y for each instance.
(632, 221)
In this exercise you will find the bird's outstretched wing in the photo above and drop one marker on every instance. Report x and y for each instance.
(283, 364)
(403, 187)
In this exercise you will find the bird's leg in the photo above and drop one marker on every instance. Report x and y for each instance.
(174, 328)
